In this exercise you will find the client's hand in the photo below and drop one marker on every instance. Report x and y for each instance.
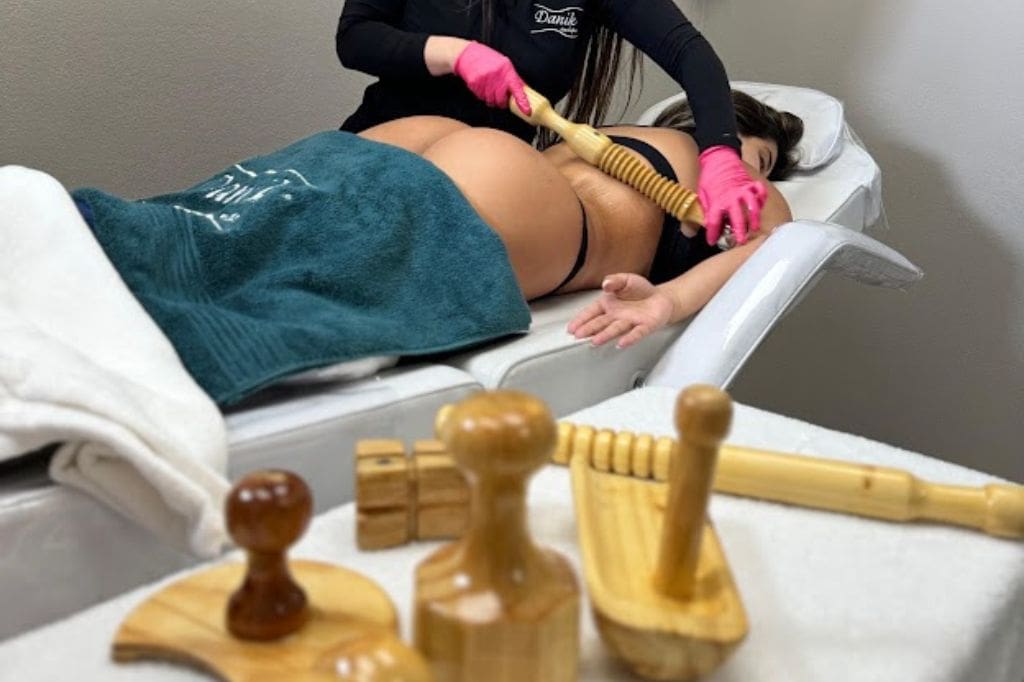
(727, 191)
(630, 307)
(491, 76)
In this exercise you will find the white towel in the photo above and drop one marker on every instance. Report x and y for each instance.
(82, 364)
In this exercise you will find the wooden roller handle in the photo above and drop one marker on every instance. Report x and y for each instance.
(584, 140)
(597, 149)
(865, 490)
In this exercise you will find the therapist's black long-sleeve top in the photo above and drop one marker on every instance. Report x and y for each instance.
(546, 41)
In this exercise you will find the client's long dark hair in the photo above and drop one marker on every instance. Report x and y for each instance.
(591, 94)
(753, 118)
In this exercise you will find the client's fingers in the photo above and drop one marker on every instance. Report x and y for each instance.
(616, 328)
(585, 315)
(594, 326)
(614, 283)
(638, 332)
(636, 288)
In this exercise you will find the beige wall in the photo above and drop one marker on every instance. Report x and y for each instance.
(142, 96)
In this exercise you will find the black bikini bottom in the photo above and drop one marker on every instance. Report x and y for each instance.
(581, 255)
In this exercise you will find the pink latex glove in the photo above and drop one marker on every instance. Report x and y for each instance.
(491, 76)
(726, 190)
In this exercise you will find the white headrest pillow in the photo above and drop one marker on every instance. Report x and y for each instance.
(822, 116)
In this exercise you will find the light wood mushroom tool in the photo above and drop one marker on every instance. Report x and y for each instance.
(598, 150)
(270, 619)
(494, 606)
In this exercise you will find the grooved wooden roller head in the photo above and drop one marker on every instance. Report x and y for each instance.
(617, 161)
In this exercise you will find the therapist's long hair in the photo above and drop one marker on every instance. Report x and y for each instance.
(591, 94)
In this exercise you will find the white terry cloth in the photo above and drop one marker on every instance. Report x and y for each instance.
(828, 596)
(82, 364)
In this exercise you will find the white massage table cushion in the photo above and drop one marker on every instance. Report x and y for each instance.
(847, 191)
(822, 114)
(349, 370)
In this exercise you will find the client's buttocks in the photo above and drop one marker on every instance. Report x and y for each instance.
(524, 198)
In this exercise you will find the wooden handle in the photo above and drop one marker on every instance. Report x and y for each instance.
(703, 415)
(584, 140)
(865, 490)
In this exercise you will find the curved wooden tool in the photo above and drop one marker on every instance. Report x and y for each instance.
(248, 622)
(663, 598)
(846, 487)
(598, 150)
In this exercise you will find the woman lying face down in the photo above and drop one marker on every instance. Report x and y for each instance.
(569, 227)
(336, 248)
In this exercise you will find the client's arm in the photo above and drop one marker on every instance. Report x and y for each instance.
(631, 307)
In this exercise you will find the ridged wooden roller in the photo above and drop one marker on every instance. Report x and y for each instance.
(597, 149)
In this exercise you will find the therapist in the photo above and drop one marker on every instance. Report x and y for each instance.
(429, 61)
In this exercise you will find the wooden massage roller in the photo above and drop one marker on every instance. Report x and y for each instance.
(818, 483)
(598, 150)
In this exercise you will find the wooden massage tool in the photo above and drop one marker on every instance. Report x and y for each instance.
(402, 498)
(598, 150)
(493, 606)
(663, 598)
(248, 622)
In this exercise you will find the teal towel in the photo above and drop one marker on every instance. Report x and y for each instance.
(331, 249)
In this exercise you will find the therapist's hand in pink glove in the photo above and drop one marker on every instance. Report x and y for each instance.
(491, 76)
(726, 190)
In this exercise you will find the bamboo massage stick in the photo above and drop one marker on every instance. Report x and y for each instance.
(597, 149)
(833, 485)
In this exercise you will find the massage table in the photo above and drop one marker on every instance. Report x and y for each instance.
(828, 596)
(66, 550)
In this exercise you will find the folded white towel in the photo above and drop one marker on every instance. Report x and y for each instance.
(82, 364)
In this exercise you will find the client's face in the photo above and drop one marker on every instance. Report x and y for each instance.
(759, 153)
